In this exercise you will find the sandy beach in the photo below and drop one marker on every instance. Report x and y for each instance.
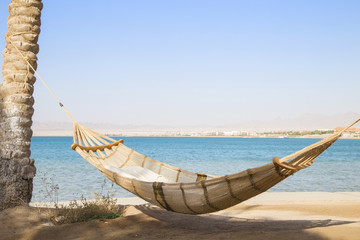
(298, 215)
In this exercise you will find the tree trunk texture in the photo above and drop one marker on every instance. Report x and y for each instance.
(17, 170)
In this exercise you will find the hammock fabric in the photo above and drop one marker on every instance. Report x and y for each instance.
(182, 191)
(175, 189)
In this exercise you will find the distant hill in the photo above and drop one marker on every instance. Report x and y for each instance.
(303, 122)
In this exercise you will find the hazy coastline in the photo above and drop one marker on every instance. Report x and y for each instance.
(184, 134)
(304, 126)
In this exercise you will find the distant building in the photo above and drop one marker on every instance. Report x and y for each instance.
(350, 130)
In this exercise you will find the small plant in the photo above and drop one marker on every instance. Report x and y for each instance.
(103, 206)
(49, 191)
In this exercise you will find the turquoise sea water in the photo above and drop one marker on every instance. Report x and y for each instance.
(337, 169)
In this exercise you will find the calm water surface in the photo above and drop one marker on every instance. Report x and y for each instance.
(337, 169)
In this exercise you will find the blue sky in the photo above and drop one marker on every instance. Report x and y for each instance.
(196, 62)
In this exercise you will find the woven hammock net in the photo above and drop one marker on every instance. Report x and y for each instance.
(182, 191)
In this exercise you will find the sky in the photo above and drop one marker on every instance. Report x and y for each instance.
(197, 62)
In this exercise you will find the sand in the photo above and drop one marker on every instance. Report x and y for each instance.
(268, 216)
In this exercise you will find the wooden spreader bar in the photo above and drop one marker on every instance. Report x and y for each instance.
(277, 162)
(95, 148)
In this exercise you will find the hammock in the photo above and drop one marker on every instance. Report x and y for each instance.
(182, 191)
(179, 190)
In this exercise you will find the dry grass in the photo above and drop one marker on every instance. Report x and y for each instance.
(102, 207)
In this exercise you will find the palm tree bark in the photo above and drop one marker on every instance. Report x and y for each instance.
(17, 170)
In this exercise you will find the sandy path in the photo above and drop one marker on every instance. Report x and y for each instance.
(297, 216)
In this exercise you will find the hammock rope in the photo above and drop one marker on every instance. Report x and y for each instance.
(176, 189)
(32, 68)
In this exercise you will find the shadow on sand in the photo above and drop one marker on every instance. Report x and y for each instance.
(216, 223)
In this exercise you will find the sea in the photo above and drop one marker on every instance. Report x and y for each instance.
(62, 175)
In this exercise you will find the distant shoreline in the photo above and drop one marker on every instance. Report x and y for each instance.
(189, 136)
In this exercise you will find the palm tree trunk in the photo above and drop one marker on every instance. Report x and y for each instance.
(16, 103)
